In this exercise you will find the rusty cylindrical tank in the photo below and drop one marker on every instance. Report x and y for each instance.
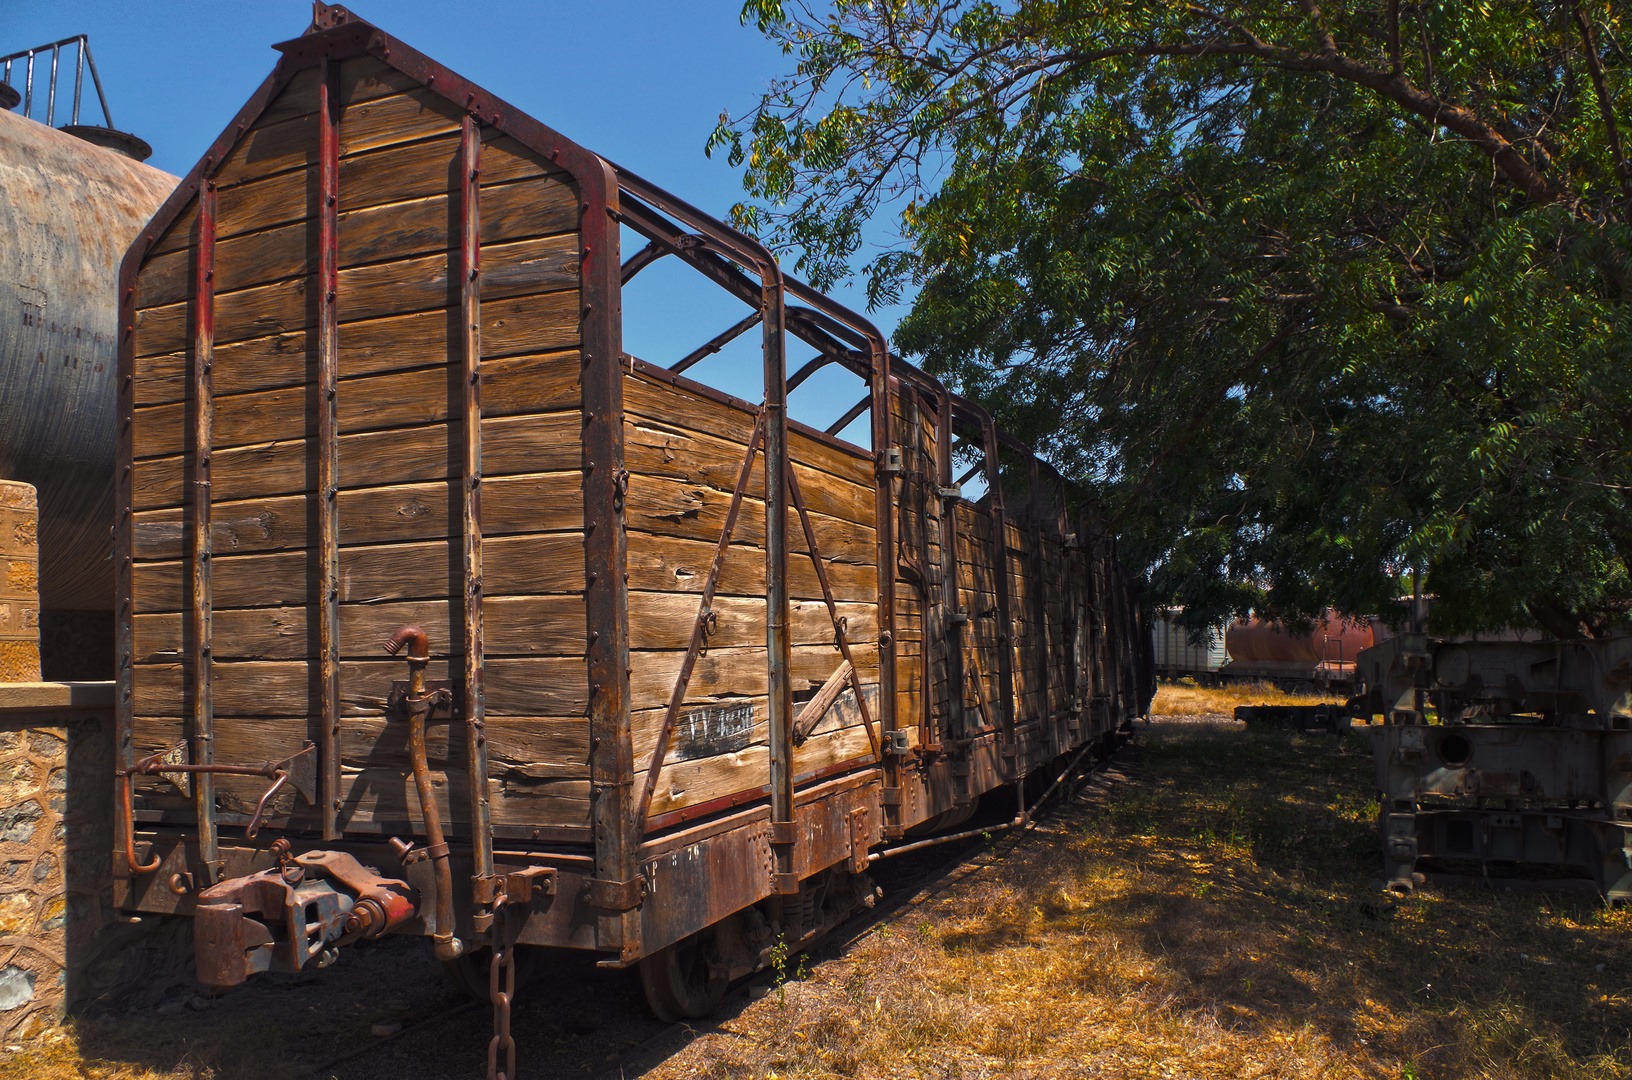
(68, 211)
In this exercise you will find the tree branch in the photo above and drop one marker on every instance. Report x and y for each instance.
(1605, 106)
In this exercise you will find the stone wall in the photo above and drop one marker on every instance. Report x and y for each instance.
(56, 838)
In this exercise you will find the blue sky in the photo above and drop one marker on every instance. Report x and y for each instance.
(640, 82)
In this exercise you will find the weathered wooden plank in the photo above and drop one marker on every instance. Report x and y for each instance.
(180, 232)
(513, 504)
(532, 443)
(522, 268)
(654, 448)
(520, 748)
(510, 212)
(676, 564)
(395, 343)
(377, 800)
(663, 620)
(677, 408)
(282, 144)
(514, 626)
(533, 384)
(692, 783)
(538, 563)
(393, 174)
(727, 724)
(555, 686)
(671, 508)
(738, 672)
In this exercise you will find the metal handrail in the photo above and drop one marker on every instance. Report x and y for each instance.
(82, 59)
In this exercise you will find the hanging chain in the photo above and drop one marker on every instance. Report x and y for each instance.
(503, 967)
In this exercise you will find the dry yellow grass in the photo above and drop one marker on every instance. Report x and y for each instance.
(1187, 699)
(1212, 916)
(1212, 919)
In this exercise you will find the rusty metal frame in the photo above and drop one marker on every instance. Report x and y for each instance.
(328, 440)
(835, 318)
(125, 863)
(202, 735)
(699, 630)
(1000, 583)
(915, 503)
(772, 301)
(717, 342)
(1039, 603)
(952, 613)
(470, 314)
(839, 635)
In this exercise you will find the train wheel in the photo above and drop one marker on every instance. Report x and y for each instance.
(677, 981)
(470, 972)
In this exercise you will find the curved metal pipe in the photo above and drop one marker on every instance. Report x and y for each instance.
(125, 785)
(448, 947)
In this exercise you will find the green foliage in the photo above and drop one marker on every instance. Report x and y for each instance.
(1310, 297)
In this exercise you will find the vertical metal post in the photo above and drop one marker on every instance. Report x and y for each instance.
(914, 484)
(1000, 579)
(470, 313)
(615, 892)
(328, 442)
(203, 713)
(79, 74)
(51, 90)
(1101, 601)
(952, 612)
(884, 525)
(124, 537)
(778, 639)
(1039, 602)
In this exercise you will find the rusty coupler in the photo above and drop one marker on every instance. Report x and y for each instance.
(298, 912)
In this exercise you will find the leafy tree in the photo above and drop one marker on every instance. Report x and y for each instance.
(1311, 295)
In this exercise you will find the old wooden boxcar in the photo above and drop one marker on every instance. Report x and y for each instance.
(372, 390)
